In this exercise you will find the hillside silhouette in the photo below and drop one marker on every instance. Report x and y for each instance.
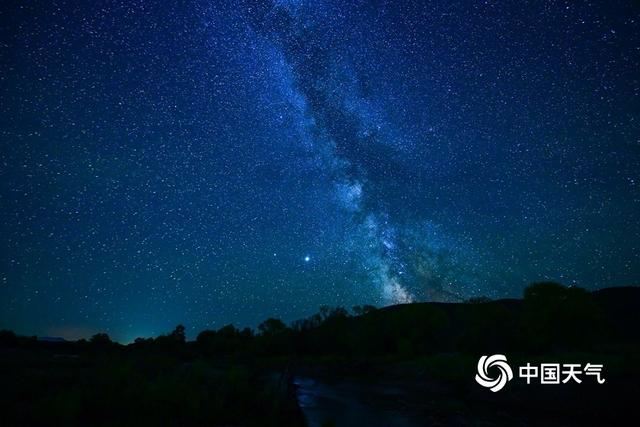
(232, 376)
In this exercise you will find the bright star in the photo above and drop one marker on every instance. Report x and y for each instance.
(307, 258)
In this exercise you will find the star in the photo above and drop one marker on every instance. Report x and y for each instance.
(175, 173)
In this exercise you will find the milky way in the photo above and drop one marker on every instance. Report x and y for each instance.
(222, 162)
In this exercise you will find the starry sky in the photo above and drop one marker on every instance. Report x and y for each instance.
(214, 162)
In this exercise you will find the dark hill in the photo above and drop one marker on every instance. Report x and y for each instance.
(550, 317)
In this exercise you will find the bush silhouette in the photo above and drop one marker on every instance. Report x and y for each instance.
(555, 316)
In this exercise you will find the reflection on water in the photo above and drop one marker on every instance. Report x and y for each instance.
(351, 404)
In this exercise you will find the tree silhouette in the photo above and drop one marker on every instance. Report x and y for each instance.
(178, 334)
(271, 327)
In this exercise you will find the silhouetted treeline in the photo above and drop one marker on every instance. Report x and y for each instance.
(550, 317)
(233, 376)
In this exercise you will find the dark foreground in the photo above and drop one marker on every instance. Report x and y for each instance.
(410, 365)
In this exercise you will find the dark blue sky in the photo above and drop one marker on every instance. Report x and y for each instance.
(215, 162)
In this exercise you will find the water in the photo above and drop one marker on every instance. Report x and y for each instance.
(345, 404)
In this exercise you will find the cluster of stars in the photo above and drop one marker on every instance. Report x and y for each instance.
(222, 162)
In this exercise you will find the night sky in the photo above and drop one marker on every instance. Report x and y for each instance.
(214, 162)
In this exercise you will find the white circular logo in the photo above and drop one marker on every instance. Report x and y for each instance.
(499, 361)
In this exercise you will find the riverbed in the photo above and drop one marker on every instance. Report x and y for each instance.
(345, 403)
